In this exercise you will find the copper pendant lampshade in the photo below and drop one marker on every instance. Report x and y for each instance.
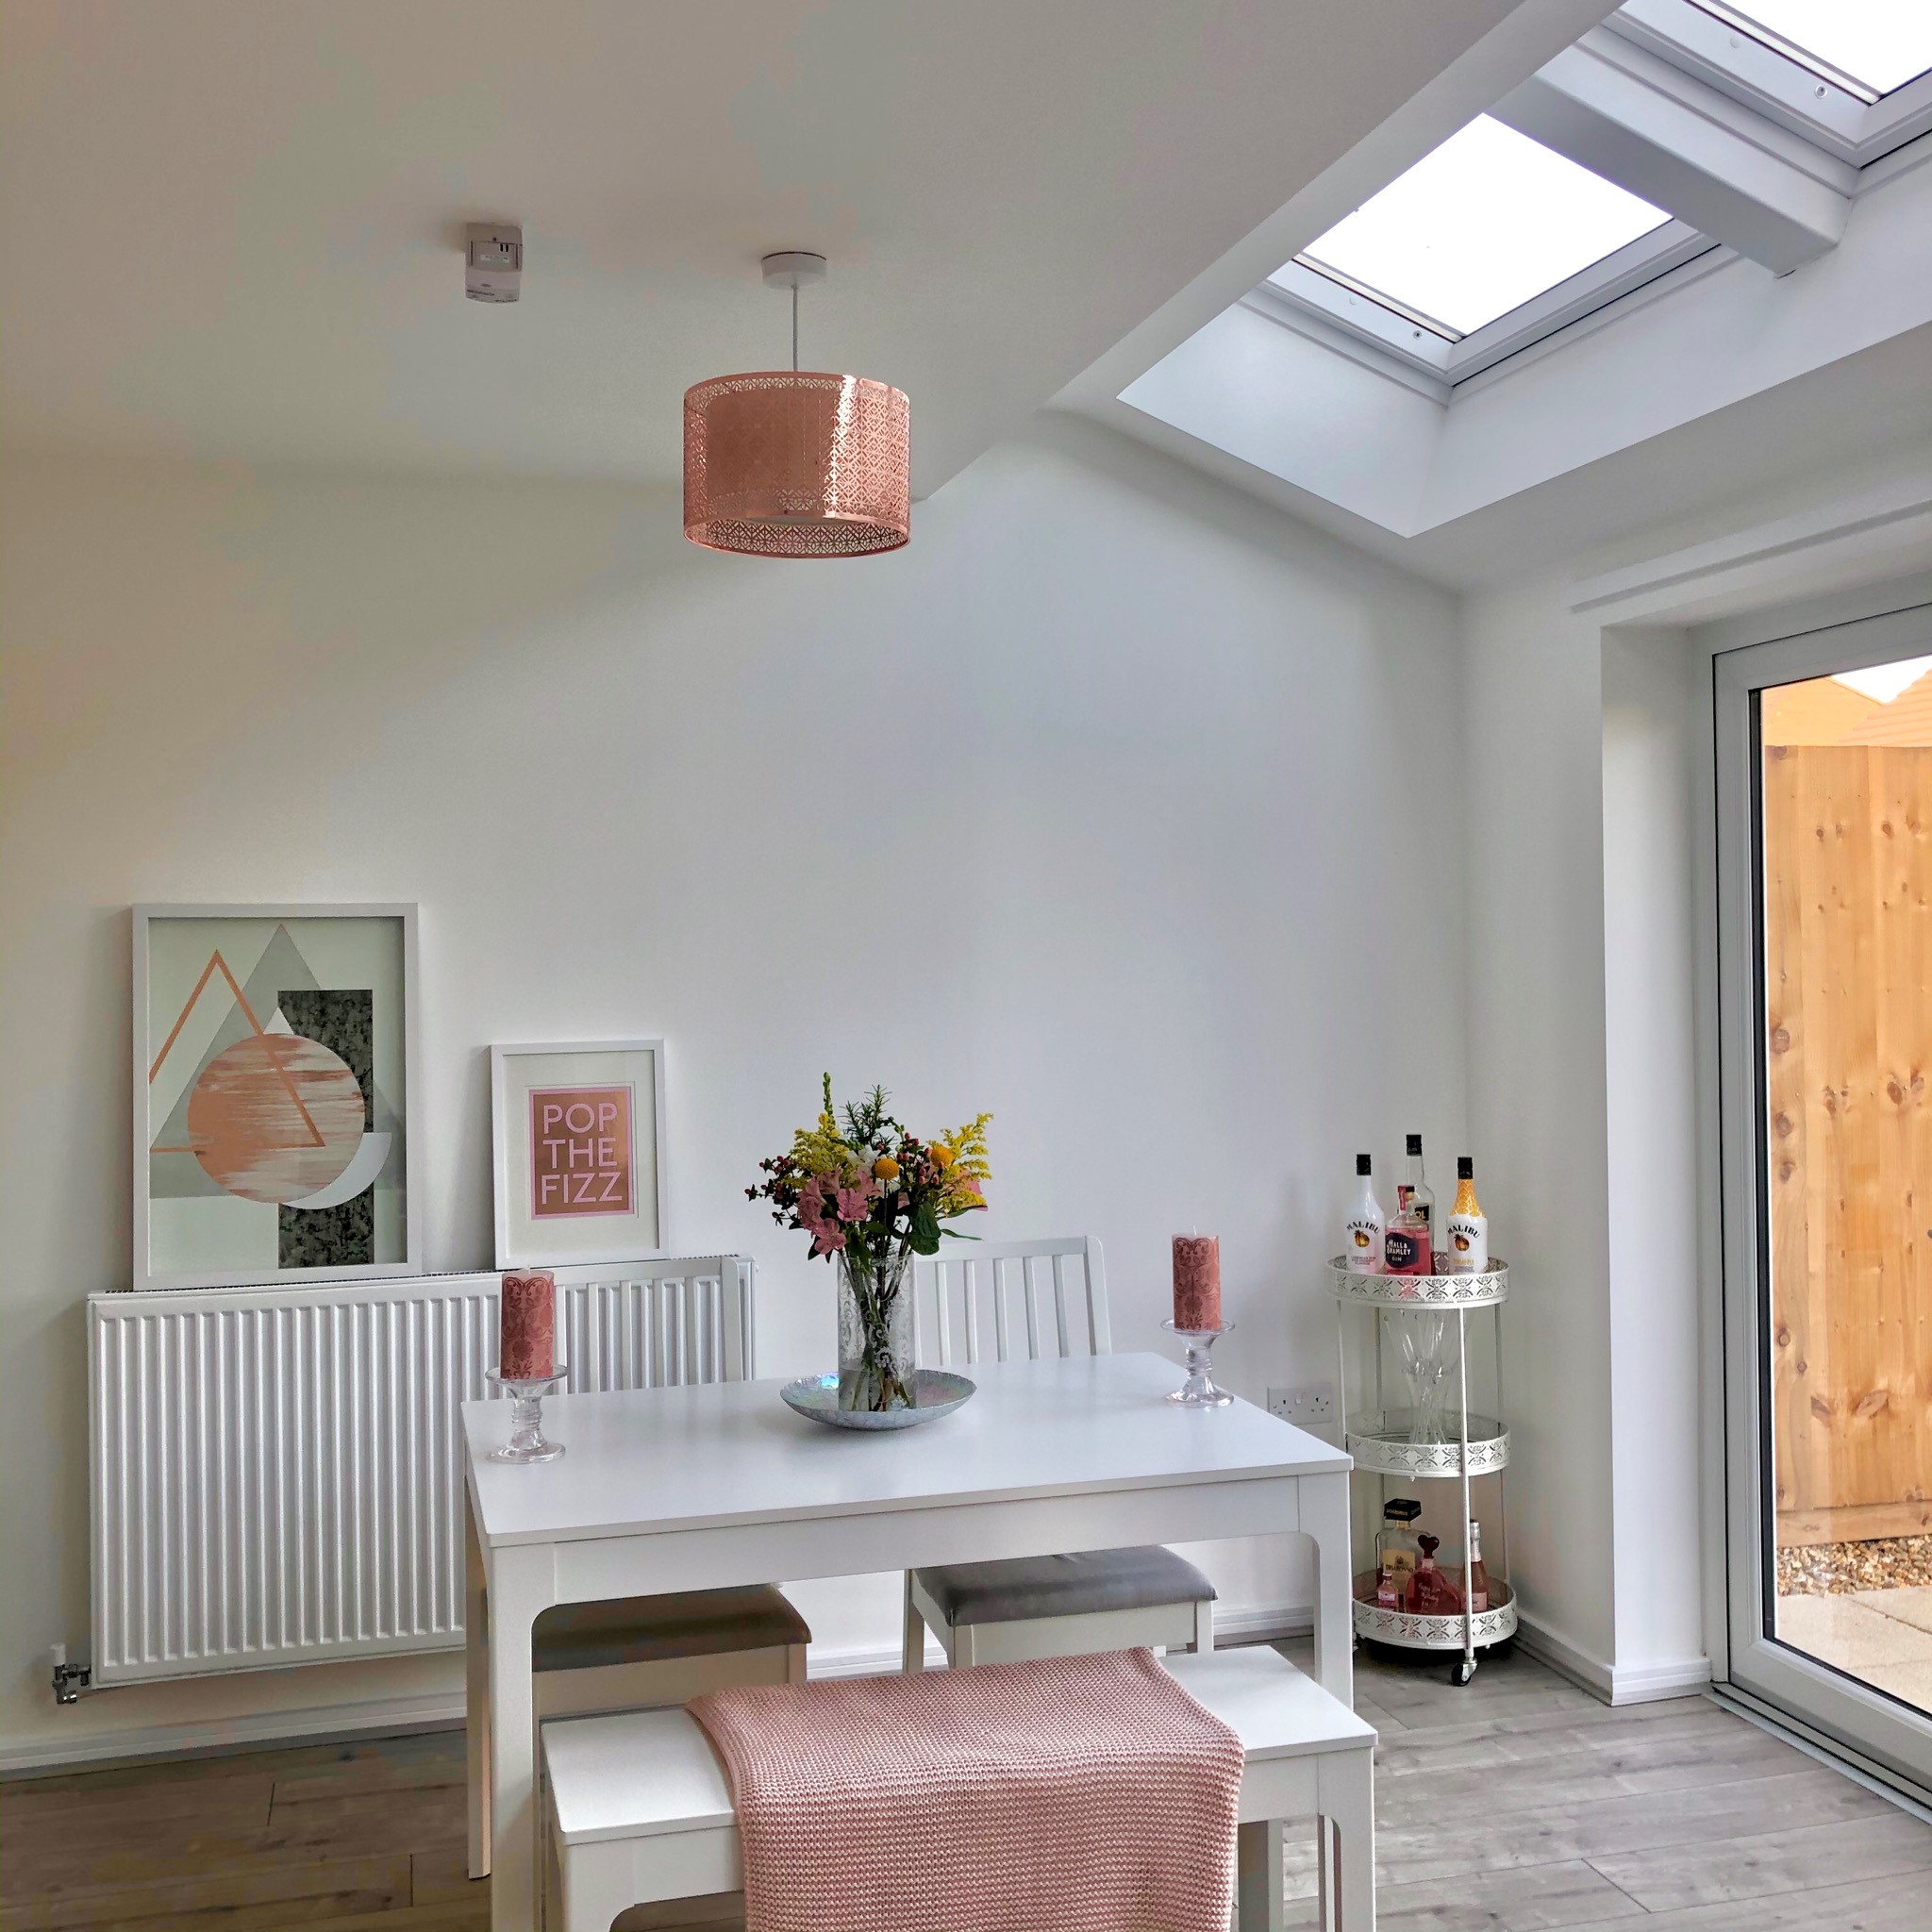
(797, 463)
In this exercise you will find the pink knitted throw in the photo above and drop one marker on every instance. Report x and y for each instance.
(1075, 1794)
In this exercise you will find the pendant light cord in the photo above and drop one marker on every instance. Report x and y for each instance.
(794, 327)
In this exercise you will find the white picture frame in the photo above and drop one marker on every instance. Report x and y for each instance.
(167, 1256)
(577, 1152)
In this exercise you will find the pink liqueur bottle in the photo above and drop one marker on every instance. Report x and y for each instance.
(1432, 1592)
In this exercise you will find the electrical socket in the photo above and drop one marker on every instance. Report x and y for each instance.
(1310, 1407)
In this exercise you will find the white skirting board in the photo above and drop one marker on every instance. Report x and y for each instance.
(388, 1716)
(1613, 1683)
(45, 1757)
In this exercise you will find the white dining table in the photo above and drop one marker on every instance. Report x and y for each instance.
(705, 1487)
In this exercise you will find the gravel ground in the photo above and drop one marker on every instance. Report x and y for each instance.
(1837, 1569)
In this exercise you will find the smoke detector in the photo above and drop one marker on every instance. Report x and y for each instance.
(493, 263)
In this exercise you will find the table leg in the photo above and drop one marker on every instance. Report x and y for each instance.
(475, 1691)
(911, 1632)
(521, 1582)
(1260, 1902)
(1324, 1520)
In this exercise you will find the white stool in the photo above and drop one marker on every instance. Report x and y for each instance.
(636, 1807)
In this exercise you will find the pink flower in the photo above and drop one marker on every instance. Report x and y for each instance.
(816, 1217)
(855, 1204)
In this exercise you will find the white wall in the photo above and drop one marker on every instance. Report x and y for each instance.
(1533, 695)
(1583, 1090)
(1090, 808)
(1650, 1051)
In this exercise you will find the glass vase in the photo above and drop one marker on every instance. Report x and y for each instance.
(874, 1327)
(1421, 1335)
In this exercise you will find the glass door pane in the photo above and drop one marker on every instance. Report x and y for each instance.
(1845, 778)
(1824, 1018)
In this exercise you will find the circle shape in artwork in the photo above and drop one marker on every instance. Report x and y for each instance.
(274, 1116)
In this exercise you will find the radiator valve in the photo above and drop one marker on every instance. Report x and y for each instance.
(70, 1680)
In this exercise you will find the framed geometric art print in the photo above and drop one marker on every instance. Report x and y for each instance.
(274, 1071)
(579, 1141)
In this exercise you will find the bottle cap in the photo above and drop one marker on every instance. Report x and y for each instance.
(1401, 1509)
(1465, 1168)
(1430, 1544)
(1361, 1163)
(1415, 1146)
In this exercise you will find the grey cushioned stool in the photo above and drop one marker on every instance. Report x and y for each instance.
(1024, 1300)
(1031, 1607)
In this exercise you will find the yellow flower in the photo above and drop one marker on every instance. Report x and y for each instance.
(941, 1154)
(969, 1171)
(885, 1169)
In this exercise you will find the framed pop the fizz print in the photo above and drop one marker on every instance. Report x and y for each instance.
(275, 1084)
(578, 1135)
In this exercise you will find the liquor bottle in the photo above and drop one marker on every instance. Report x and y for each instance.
(1468, 1227)
(1479, 1574)
(1432, 1592)
(1361, 1235)
(1396, 1553)
(1421, 1197)
(1406, 1240)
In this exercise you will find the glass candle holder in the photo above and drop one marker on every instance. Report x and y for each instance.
(526, 1443)
(1199, 1390)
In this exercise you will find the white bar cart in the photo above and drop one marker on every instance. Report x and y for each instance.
(1426, 1441)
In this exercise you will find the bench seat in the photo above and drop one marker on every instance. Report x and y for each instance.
(636, 1806)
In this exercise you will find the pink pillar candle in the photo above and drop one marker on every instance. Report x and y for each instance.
(1197, 1283)
(526, 1341)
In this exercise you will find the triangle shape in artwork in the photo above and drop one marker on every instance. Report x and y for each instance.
(281, 966)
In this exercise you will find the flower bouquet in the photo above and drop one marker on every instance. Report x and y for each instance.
(870, 1196)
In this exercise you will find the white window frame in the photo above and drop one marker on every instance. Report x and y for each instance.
(1883, 1736)
(1790, 91)
(1436, 350)
(1683, 48)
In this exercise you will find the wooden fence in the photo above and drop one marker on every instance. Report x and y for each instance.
(1848, 962)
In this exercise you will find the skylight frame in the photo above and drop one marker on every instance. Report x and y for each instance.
(1791, 93)
(1487, 222)
(1370, 319)
(1803, 121)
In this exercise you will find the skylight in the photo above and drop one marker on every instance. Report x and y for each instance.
(1488, 221)
(1878, 43)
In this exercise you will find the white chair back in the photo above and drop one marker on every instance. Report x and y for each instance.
(1001, 1301)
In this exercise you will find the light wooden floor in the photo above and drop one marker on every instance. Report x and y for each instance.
(1515, 1805)
(1522, 1804)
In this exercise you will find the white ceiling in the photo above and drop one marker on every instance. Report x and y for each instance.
(233, 230)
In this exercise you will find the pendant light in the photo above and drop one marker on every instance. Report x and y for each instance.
(796, 463)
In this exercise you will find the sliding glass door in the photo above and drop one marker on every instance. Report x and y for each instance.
(1824, 943)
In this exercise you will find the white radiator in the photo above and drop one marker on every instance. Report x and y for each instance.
(274, 1474)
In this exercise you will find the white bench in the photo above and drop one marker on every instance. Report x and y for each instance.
(637, 1808)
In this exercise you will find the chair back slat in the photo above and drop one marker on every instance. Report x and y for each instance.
(953, 1294)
